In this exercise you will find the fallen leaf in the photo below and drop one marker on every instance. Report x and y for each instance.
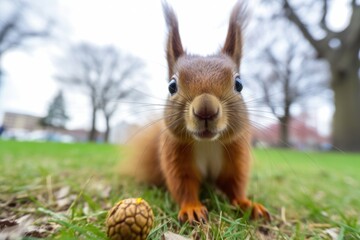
(86, 209)
(17, 229)
(332, 232)
(64, 203)
(4, 223)
(62, 192)
(173, 236)
(102, 189)
(105, 193)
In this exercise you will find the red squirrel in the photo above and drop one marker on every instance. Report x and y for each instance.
(205, 132)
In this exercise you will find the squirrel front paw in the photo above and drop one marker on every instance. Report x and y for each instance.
(258, 211)
(193, 213)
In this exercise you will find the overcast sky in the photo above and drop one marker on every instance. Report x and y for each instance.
(135, 26)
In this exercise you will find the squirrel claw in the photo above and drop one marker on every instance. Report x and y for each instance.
(193, 214)
(258, 211)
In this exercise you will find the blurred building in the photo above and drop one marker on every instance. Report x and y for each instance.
(19, 126)
(22, 121)
(301, 136)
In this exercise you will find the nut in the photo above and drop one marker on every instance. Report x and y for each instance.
(130, 219)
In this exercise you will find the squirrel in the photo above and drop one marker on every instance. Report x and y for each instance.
(205, 131)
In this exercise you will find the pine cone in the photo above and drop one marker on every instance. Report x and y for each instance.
(130, 219)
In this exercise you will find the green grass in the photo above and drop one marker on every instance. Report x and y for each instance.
(307, 194)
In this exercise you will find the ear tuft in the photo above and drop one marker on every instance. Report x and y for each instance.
(174, 47)
(234, 39)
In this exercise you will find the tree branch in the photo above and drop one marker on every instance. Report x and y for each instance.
(22, 36)
(293, 17)
(15, 30)
(267, 99)
(352, 32)
(324, 15)
(277, 66)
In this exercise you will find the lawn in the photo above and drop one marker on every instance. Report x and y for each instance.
(63, 191)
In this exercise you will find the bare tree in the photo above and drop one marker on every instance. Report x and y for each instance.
(20, 22)
(101, 73)
(286, 72)
(341, 49)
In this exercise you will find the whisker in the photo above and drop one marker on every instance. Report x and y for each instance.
(149, 125)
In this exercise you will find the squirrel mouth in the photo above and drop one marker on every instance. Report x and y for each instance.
(206, 134)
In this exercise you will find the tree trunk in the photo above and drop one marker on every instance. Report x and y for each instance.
(346, 120)
(92, 134)
(1, 73)
(284, 132)
(107, 131)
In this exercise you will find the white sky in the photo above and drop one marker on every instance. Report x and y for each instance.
(135, 26)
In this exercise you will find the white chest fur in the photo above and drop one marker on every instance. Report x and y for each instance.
(209, 158)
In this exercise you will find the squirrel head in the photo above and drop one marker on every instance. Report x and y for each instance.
(205, 101)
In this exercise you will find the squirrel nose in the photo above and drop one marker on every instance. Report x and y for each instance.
(206, 107)
(206, 113)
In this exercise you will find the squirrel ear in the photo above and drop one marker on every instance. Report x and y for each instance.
(174, 47)
(233, 43)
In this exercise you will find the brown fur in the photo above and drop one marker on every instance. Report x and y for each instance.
(205, 103)
(142, 156)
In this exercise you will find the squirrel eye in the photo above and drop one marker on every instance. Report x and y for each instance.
(238, 84)
(172, 86)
